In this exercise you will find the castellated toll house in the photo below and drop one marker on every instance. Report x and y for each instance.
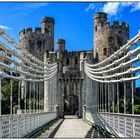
(72, 93)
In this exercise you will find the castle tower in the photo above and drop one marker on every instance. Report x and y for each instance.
(61, 45)
(48, 28)
(108, 38)
(60, 50)
(39, 41)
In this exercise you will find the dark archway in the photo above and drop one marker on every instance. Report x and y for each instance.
(67, 61)
(70, 104)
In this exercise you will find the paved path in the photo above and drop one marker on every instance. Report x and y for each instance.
(72, 128)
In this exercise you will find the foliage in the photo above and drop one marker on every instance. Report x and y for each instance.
(137, 109)
(6, 90)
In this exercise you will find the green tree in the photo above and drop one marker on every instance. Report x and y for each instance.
(6, 90)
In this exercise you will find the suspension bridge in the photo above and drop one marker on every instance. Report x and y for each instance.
(101, 109)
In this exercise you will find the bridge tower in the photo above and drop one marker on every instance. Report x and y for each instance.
(108, 38)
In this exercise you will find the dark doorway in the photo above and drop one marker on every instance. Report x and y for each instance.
(70, 104)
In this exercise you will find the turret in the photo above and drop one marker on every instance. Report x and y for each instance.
(61, 45)
(48, 25)
(48, 29)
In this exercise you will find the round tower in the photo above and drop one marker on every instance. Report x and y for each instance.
(99, 21)
(108, 38)
(48, 25)
(61, 45)
(48, 29)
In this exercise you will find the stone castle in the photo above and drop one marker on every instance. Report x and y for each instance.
(71, 92)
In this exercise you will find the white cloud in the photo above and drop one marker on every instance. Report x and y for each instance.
(113, 8)
(35, 5)
(94, 6)
(5, 27)
(135, 7)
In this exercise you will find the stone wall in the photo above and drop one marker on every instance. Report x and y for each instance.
(108, 38)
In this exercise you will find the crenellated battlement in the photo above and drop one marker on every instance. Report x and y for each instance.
(29, 30)
(109, 27)
(37, 30)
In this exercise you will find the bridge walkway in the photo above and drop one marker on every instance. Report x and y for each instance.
(72, 128)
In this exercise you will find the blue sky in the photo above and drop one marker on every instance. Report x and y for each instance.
(73, 21)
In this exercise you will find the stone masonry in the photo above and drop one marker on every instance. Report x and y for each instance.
(74, 89)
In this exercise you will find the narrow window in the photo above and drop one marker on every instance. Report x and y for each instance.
(115, 49)
(102, 24)
(110, 39)
(120, 43)
(104, 51)
(76, 60)
(39, 44)
(95, 28)
(67, 61)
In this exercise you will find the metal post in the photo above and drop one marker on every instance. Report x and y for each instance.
(42, 97)
(25, 92)
(124, 97)
(39, 97)
(34, 97)
(0, 97)
(132, 86)
(105, 99)
(108, 98)
(30, 97)
(102, 97)
(118, 97)
(113, 90)
(19, 96)
(11, 97)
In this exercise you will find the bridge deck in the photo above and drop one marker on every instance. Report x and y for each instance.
(72, 128)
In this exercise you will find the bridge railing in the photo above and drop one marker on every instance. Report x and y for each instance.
(125, 125)
(18, 126)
